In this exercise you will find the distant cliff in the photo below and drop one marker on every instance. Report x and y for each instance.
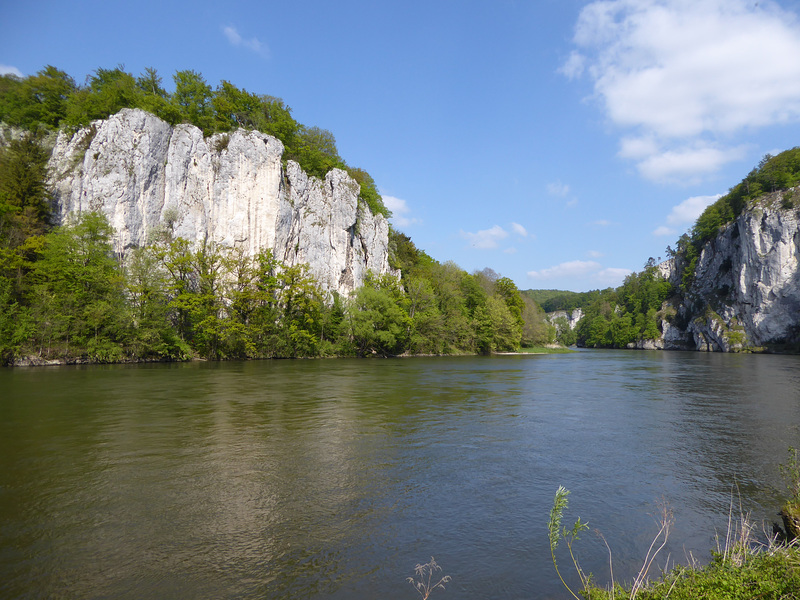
(230, 188)
(745, 292)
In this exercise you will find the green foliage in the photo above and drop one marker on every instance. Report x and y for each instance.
(192, 99)
(16, 325)
(378, 319)
(537, 329)
(369, 192)
(496, 328)
(109, 91)
(743, 570)
(405, 256)
(564, 335)
(553, 300)
(628, 314)
(77, 291)
(24, 194)
(51, 99)
(791, 474)
(37, 100)
(770, 574)
(570, 536)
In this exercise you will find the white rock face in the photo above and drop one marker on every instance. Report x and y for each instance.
(746, 290)
(230, 188)
(572, 317)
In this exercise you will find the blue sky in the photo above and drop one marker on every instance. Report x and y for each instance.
(560, 142)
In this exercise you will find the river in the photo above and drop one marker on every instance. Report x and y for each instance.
(334, 478)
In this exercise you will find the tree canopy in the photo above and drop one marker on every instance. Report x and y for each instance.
(51, 99)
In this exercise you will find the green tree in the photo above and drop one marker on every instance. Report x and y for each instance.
(369, 192)
(146, 287)
(536, 329)
(78, 301)
(108, 92)
(507, 290)
(234, 108)
(154, 98)
(192, 99)
(316, 151)
(37, 100)
(378, 322)
(301, 308)
(426, 332)
(275, 118)
(497, 330)
(16, 324)
(25, 202)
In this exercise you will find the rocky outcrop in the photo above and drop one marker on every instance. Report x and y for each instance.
(572, 317)
(745, 293)
(230, 188)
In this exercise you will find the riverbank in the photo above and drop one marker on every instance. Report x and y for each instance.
(37, 361)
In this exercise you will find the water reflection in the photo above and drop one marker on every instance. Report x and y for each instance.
(331, 479)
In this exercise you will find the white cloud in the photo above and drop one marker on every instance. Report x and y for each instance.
(400, 211)
(601, 223)
(679, 77)
(253, 44)
(571, 269)
(663, 230)
(691, 208)
(519, 229)
(592, 272)
(485, 239)
(685, 213)
(574, 66)
(687, 165)
(594, 254)
(9, 70)
(611, 277)
(557, 189)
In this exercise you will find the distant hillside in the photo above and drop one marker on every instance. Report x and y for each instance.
(552, 300)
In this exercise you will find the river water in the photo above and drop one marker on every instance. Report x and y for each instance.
(334, 478)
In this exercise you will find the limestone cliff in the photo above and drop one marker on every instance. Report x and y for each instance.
(746, 288)
(231, 188)
(572, 317)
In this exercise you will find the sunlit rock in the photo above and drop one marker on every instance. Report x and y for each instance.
(230, 188)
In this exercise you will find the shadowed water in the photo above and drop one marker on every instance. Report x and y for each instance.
(333, 478)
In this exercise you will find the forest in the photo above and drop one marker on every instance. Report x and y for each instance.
(65, 295)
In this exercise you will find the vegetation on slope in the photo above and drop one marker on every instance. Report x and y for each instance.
(65, 295)
(772, 174)
(51, 99)
(614, 318)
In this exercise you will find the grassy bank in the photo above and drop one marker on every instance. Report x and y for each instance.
(771, 572)
(743, 567)
(546, 350)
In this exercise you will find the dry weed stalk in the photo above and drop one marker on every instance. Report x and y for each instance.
(610, 561)
(738, 536)
(424, 582)
(665, 521)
